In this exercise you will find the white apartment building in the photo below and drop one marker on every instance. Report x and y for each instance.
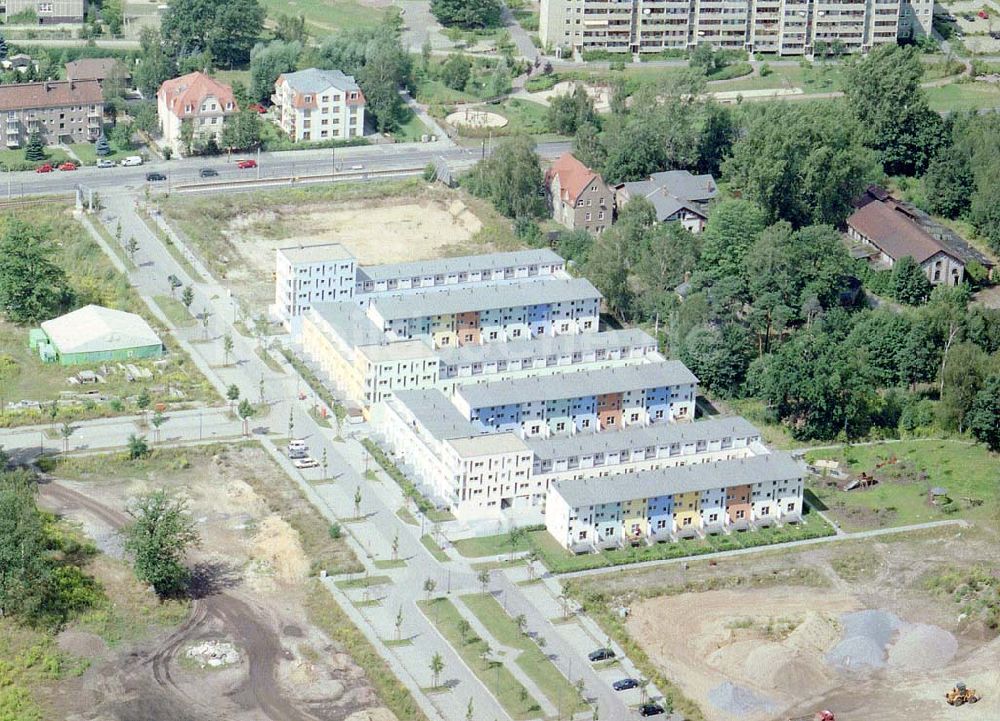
(304, 275)
(784, 27)
(320, 105)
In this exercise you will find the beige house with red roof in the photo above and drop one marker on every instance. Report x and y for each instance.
(579, 197)
(195, 98)
(64, 110)
(319, 105)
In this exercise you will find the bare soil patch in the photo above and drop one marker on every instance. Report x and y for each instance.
(251, 570)
(873, 642)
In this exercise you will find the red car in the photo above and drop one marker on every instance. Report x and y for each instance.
(67, 166)
(244, 164)
(257, 108)
(47, 168)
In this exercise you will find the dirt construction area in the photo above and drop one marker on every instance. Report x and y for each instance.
(879, 630)
(247, 649)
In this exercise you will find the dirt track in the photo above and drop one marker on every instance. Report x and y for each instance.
(151, 687)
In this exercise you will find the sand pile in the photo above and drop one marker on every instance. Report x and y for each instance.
(739, 701)
(921, 647)
(277, 544)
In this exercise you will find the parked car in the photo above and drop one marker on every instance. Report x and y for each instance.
(105, 163)
(174, 281)
(357, 167)
(650, 709)
(601, 654)
(155, 177)
(68, 165)
(624, 684)
(306, 462)
(257, 108)
(208, 173)
(244, 164)
(132, 160)
(47, 168)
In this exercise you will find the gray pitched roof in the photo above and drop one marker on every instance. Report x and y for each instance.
(634, 437)
(434, 411)
(461, 299)
(673, 190)
(350, 322)
(460, 264)
(546, 346)
(314, 80)
(776, 466)
(577, 384)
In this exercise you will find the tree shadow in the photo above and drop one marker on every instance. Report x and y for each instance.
(211, 577)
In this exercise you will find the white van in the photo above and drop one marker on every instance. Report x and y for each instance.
(297, 449)
(132, 160)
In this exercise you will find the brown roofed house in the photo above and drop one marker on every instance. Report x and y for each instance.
(195, 98)
(58, 110)
(579, 197)
(888, 227)
(98, 69)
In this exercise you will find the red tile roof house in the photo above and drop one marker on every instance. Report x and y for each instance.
(579, 197)
(894, 232)
(197, 98)
(62, 110)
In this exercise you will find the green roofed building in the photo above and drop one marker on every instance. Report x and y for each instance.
(93, 334)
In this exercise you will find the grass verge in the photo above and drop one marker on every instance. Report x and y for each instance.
(431, 545)
(175, 311)
(327, 615)
(508, 691)
(480, 546)
(532, 659)
(315, 384)
(409, 490)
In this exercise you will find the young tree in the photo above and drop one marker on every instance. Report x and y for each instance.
(464, 629)
(515, 538)
(187, 297)
(35, 149)
(429, 585)
(32, 287)
(323, 463)
(357, 502)
(137, 447)
(470, 710)
(245, 411)
(143, 401)
(227, 348)
(66, 432)
(395, 546)
(399, 622)
(158, 539)
(232, 395)
(484, 580)
(522, 622)
(436, 667)
(158, 420)
(131, 247)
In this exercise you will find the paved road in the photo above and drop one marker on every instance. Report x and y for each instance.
(272, 165)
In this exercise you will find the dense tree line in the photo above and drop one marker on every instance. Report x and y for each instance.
(468, 14)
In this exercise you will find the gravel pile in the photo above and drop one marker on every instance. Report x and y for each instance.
(921, 647)
(739, 701)
(866, 636)
(214, 654)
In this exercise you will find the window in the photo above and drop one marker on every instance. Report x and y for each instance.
(741, 513)
(687, 521)
(583, 535)
(791, 507)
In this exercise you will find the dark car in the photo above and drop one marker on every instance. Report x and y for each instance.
(601, 654)
(155, 177)
(650, 709)
(624, 684)
(208, 173)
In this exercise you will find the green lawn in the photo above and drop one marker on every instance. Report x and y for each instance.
(411, 130)
(964, 96)
(480, 546)
(14, 159)
(431, 545)
(363, 582)
(532, 660)
(324, 16)
(507, 690)
(558, 560)
(968, 473)
(87, 153)
(175, 311)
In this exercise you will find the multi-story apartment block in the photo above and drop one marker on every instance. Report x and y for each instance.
(676, 502)
(579, 197)
(317, 104)
(304, 275)
(197, 99)
(60, 111)
(785, 27)
(48, 12)
(581, 401)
